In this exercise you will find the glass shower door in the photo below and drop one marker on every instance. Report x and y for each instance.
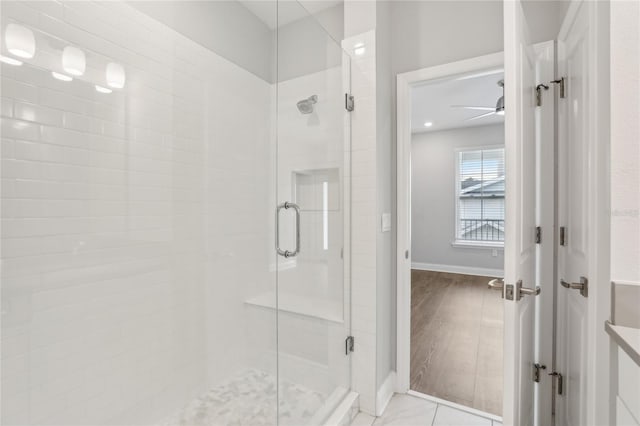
(313, 168)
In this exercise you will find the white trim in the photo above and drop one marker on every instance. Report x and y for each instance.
(403, 188)
(478, 244)
(385, 393)
(599, 307)
(456, 269)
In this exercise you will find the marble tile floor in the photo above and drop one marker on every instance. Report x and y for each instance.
(249, 398)
(408, 410)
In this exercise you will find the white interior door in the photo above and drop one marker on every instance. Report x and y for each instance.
(520, 250)
(573, 216)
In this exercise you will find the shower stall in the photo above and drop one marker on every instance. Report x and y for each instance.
(175, 220)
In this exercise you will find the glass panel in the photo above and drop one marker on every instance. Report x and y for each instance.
(138, 191)
(313, 169)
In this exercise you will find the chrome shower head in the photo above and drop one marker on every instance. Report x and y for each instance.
(305, 106)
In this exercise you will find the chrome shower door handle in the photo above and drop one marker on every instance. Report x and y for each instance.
(286, 253)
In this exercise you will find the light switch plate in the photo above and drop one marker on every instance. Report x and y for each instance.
(386, 222)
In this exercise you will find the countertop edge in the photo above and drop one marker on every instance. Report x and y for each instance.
(633, 352)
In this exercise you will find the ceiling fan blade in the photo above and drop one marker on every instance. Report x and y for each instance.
(481, 108)
(481, 116)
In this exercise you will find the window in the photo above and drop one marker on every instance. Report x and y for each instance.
(480, 197)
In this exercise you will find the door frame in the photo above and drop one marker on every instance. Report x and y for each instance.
(404, 83)
(545, 218)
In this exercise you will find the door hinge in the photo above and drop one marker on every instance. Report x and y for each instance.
(558, 378)
(349, 102)
(536, 371)
(563, 236)
(406, 254)
(561, 82)
(538, 235)
(349, 345)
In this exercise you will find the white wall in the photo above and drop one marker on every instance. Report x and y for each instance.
(306, 47)
(433, 199)
(224, 26)
(625, 134)
(385, 296)
(625, 184)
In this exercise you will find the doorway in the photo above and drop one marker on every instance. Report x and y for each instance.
(457, 238)
(534, 299)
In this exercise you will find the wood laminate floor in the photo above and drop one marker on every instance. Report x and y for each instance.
(456, 339)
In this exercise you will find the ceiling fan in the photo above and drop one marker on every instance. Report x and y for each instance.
(496, 110)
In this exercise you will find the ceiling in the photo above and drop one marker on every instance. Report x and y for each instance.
(431, 101)
(288, 11)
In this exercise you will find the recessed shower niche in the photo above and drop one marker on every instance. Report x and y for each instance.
(317, 193)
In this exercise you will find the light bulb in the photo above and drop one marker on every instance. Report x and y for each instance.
(115, 75)
(20, 41)
(73, 60)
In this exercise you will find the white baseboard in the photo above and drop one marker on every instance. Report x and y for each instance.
(455, 269)
(385, 393)
(345, 412)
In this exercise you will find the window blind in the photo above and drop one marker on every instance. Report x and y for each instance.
(480, 195)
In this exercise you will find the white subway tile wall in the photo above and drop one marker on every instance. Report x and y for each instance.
(365, 224)
(134, 223)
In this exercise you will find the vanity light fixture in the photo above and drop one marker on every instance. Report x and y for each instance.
(20, 41)
(115, 75)
(73, 60)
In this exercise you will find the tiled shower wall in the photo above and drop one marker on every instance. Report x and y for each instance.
(127, 219)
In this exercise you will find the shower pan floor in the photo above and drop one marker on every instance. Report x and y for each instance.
(249, 399)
